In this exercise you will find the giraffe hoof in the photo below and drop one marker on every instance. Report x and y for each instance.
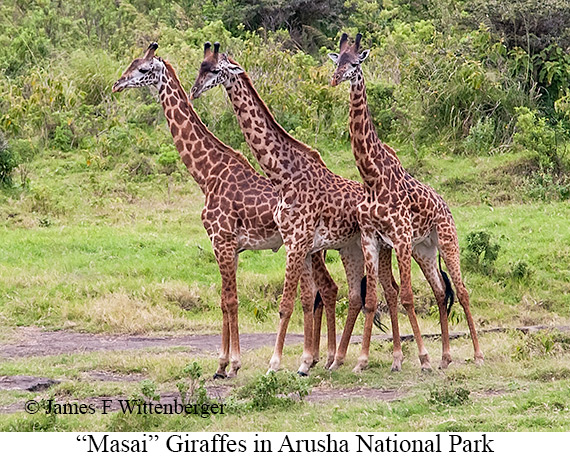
(444, 363)
(479, 360)
(396, 367)
(300, 373)
(220, 375)
(427, 369)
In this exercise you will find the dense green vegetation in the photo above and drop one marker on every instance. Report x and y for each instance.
(98, 225)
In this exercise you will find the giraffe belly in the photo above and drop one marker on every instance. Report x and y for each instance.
(324, 239)
(258, 242)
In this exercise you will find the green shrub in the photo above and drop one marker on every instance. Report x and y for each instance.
(534, 134)
(8, 161)
(481, 252)
(481, 137)
(271, 390)
(449, 396)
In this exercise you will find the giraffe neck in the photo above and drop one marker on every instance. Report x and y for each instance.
(281, 156)
(205, 156)
(373, 158)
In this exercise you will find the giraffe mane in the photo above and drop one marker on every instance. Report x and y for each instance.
(204, 130)
(302, 146)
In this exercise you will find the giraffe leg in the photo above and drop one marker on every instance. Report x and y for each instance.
(391, 290)
(370, 249)
(353, 262)
(308, 293)
(317, 321)
(329, 291)
(404, 255)
(294, 266)
(449, 249)
(227, 263)
(426, 257)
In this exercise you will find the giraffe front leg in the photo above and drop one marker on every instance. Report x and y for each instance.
(227, 262)
(403, 249)
(294, 267)
(308, 294)
(224, 355)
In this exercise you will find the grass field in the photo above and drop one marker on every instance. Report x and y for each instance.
(88, 249)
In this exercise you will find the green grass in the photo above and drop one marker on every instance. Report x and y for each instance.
(98, 250)
(510, 392)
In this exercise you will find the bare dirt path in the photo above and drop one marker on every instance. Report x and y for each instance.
(32, 341)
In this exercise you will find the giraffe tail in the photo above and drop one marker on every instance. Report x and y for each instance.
(377, 316)
(318, 301)
(449, 294)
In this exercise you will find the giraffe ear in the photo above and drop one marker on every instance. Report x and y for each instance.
(333, 56)
(234, 69)
(363, 55)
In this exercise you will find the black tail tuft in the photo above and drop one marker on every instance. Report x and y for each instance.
(449, 294)
(377, 315)
(378, 323)
(363, 291)
(318, 301)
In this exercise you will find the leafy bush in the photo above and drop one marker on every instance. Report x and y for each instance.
(481, 137)
(449, 396)
(8, 161)
(481, 253)
(194, 389)
(535, 135)
(271, 390)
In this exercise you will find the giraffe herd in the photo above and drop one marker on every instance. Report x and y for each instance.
(304, 206)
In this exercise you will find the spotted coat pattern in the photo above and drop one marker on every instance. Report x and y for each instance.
(317, 209)
(403, 212)
(239, 202)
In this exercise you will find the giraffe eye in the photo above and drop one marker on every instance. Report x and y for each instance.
(144, 70)
(215, 71)
(354, 65)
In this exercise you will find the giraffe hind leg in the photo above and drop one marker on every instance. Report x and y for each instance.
(449, 249)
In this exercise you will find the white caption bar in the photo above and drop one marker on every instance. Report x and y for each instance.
(75, 444)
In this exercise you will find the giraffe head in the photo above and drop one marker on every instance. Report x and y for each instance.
(146, 71)
(348, 60)
(215, 69)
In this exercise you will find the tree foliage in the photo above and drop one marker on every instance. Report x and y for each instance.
(443, 75)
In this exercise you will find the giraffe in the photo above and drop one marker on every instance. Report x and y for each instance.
(316, 209)
(239, 203)
(400, 210)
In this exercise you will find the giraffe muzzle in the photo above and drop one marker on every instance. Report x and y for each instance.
(194, 93)
(118, 86)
